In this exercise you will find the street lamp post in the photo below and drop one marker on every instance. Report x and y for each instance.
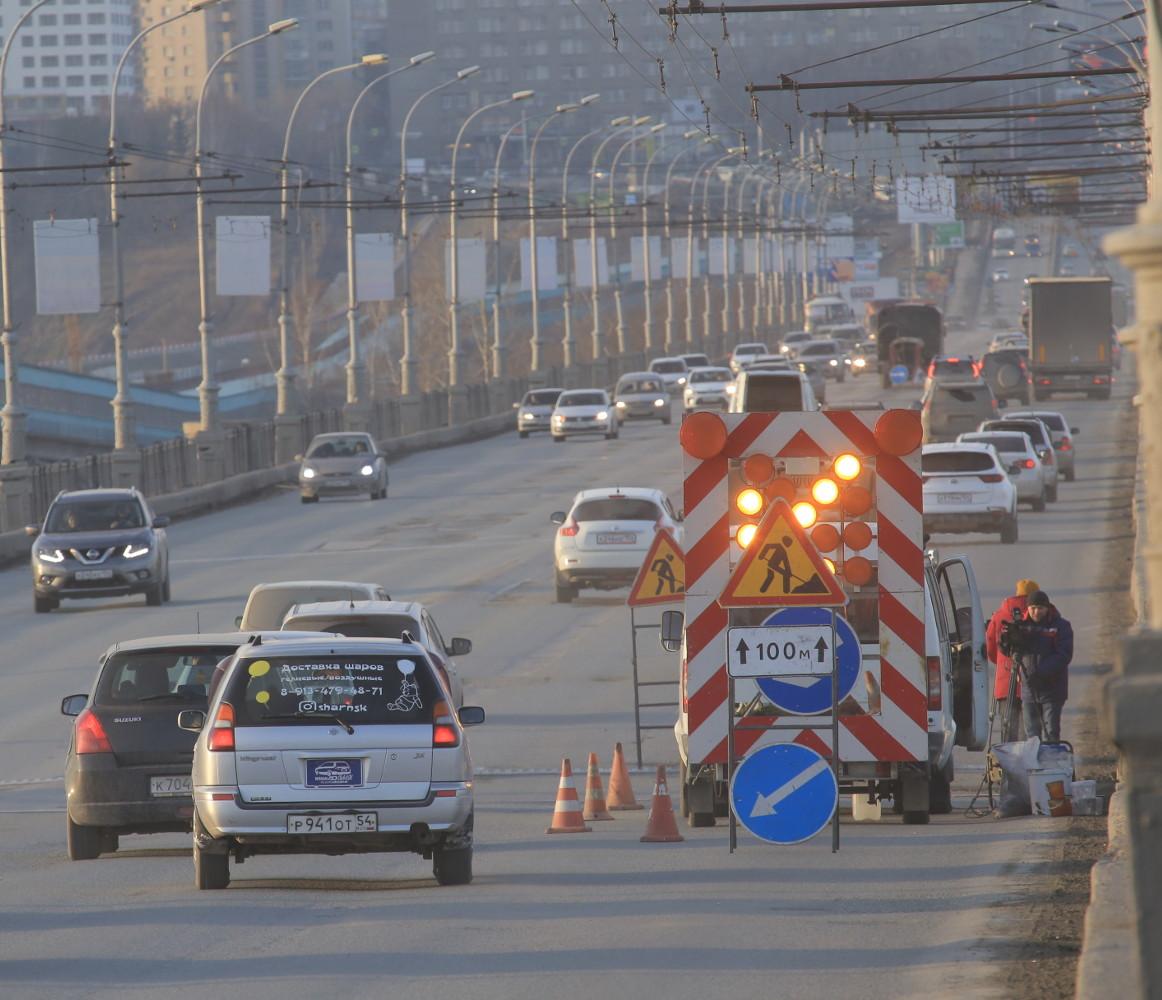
(595, 291)
(287, 434)
(124, 424)
(409, 365)
(454, 375)
(619, 312)
(12, 418)
(208, 389)
(535, 344)
(356, 415)
(690, 342)
(668, 342)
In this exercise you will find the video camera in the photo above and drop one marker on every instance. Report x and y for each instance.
(1017, 636)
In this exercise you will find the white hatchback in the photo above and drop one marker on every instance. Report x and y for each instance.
(966, 489)
(603, 539)
(744, 354)
(1020, 458)
(708, 387)
(583, 411)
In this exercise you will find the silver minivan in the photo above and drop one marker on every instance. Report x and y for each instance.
(331, 746)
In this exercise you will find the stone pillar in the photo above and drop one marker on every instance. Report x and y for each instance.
(127, 468)
(288, 438)
(211, 457)
(457, 404)
(410, 414)
(15, 496)
(357, 417)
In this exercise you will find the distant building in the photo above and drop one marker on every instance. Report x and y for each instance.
(63, 59)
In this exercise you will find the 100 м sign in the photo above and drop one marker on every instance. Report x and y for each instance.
(779, 650)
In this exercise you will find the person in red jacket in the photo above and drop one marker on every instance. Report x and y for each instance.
(1011, 721)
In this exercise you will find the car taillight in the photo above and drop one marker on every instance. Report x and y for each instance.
(568, 529)
(991, 477)
(1100, 379)
(222, 731)
(444, 730)
(1066, 445)
(1030, 464)
(934, 699)
(91, 736)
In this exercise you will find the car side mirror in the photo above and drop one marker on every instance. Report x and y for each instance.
(192, 720)
(557, 517)
(32, 530)
(670, 633)
(162, 521)
(74, 704)
(1074, 431)
(238, 621)
(516, 406)
(471, 715)
(459, 647)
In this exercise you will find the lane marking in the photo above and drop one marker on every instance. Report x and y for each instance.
(14, 782)
(355, 549)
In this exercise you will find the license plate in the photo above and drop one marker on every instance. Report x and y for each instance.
(338, 482)
(1072, 378)
(617, 538)
(954, 497)
(165, 785)
(332, 823)
(94, 574)
(334, 772)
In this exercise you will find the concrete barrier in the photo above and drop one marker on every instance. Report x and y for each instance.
(16, 545)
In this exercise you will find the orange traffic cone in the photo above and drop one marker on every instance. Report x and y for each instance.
(661, 827)
(620, 795)
(567, 813)
(594, 793)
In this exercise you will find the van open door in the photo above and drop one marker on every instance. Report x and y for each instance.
(969, 663)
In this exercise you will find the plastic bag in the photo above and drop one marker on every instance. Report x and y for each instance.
(1015, 760)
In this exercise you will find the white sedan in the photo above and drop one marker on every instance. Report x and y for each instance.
(966, 489)
(603, 539)
(583, 411)
(1026, 470)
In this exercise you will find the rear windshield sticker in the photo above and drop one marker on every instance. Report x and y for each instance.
(409, 690)
(259, 668)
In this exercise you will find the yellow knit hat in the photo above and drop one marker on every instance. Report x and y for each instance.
(1026, 587)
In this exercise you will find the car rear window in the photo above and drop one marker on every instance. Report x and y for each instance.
(180, 674)
(964, 394)
(1054, 421)
(581, 399)
(1035, 431)
(267, 608)
(668, 367)
(363, 627)
(713, 375)
(957, 461)
(542, 397)
(617, 509)
(695, 360)
(766, 395)
(306, 690)
(952, 367)
(94, 515)
(1002, 442)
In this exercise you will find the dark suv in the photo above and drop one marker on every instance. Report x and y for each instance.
(1006, 370)
(99, 543)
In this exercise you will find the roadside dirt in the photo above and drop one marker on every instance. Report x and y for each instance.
(1042, 927)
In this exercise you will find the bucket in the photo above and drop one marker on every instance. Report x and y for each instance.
(1049, 790)
(863, 811)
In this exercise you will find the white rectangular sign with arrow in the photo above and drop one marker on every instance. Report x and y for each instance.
(779, 651)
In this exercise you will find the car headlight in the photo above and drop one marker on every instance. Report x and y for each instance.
(527, 415)
(308, 473)
(859, 363)
(602, 415)
(367, 470)
(558, 418)
(659, 402)
(50, 555)
(621, 404)
(730, 389)
(135, 550)
(847, 361)
(834, 362)
(681, 380)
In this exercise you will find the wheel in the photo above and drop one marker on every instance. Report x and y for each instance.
(44, 605)
(84, 842)
(559, 438)
(666, 421)
(916, 817)
(1039, 503)
(1009, 531)
(841, 377)
(154, 595)
(885, 380)
(211, 871)
(701, 819)
(940, 791)
(611, 436)
(165, 589)
(1069, 474)
(1039, 396)
(452, 867)
(565, 591)
(308, 499)
(1051, 494)
(524, 434)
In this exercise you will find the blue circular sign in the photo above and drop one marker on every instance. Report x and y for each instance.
(898, 374)
(784, 794)
(811, 696)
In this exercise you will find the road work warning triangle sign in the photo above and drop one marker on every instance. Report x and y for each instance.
(781, 568)
(662, 577)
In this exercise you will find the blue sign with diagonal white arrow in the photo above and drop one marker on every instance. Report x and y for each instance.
(784, 794)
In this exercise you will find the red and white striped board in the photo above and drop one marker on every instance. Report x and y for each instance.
(898, 730)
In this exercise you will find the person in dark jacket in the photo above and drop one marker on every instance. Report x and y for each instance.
(1044, 663)
(1010, 723)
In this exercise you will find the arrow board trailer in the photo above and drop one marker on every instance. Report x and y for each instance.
(779, 651)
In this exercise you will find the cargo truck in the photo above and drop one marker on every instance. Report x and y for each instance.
(1071, 336)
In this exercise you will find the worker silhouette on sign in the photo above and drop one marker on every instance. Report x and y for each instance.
(664, 570)
(775, 556)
